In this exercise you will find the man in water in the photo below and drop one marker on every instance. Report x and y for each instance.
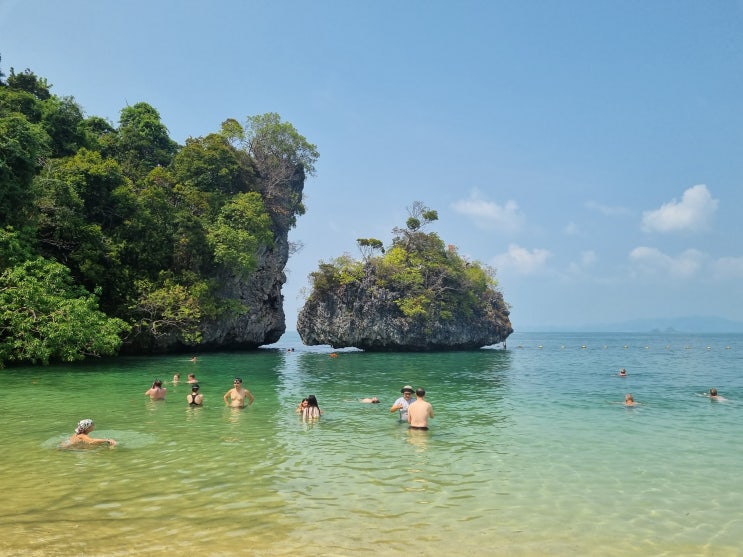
(157, 391)
(403, 402)
(419, 411)
(236, 396)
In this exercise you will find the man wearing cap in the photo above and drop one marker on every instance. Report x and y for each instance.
(403, 402)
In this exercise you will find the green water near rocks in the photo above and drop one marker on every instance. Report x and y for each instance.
(530, 453)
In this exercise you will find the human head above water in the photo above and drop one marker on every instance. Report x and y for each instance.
(157, 383)
(195, 387)
(237, 380)
(713, 392)
(407, 389)
(312, 401)
(84, 426)
(420, 391)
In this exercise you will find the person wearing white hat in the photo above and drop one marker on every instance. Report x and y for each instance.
(402, 403)
(81, 437)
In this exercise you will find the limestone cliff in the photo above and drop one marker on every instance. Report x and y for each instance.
(367, 317)
(261, 319)
(419, 296)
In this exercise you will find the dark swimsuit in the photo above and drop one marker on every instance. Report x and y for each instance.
(193, 400)
(424, 428)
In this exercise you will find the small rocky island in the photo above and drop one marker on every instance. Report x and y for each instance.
(417, 295)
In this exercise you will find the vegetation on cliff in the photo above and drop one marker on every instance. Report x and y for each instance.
(416, 294)
(116, 234)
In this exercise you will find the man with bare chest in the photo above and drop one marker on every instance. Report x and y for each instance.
(236, 396)
(420, 411)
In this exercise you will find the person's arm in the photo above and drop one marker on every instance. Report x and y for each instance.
(227, 397)
(250, 396)
(395, 407)
(430, 411)
(90, 440)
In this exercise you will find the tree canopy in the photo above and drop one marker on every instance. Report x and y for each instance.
(111, 233)
(430, 279)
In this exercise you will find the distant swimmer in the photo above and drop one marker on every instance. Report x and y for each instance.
(371, 400)
(714, 396)
(622, 372)
(629, 400)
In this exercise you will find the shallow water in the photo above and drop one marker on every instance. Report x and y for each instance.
(531, 453)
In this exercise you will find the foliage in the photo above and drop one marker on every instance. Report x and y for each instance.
(243, 226)
(44, 316)
(129, 223)
(22, 145)
(427, 279)
(338, 272)
(142, 141)
(171, 308)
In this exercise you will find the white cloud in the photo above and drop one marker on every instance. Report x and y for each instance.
(587, 259)
(521, 260)
(490, 215)
(728, 268)
(571, 229)
(694, 212)
(654, 261)
(606, 210)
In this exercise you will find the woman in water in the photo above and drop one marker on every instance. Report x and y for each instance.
(312, 410)
(81, 437)
(195, 398)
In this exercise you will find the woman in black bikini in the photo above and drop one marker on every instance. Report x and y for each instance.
(195, 398)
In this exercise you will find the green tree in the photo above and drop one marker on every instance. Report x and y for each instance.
(62, 120)
(142, 141)
(211, 164)
(243, 226)
(45, 317)
(28, 81)
(282, 156)
(22, 146)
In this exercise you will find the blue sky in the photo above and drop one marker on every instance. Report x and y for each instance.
(590, 151)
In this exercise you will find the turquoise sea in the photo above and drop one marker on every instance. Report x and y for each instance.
(531, 453)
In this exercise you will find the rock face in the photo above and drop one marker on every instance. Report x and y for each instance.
(263, 321)
(364, 316)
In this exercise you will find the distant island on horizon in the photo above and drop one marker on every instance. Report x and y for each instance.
(691, 324)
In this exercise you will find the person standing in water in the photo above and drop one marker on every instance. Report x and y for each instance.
(402, 403)
(157, 391)
(312, 410)
(195, 398)
(236, 396)
(419, 411)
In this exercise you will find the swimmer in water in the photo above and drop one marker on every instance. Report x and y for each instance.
(81, 437)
